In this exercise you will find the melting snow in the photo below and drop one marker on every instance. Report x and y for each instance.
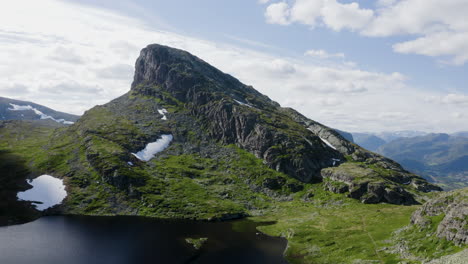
(241, 103)
(37, 112)
(130, 163)
(328, 143)
(163, 112)
(46, 189)
(153, 148)
(335, 161)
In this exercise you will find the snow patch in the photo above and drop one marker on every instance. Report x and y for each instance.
(46, 189)
(335, 161)
(153, 148)
(130, 163)
(37, 112)
(241, 103)
(163, 112)
(327, 143)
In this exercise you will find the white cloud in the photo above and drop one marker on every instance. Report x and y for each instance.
(439, 28)
(306, 12)
(14, 89)
(458, 115)
(277, 13)
(384, 3)
(322, 54)
(339, 16)
(250, 42)
(66, 55)
(438, 44)
(331, 13)
(71, 88)
(449, 99)
(118, 71)
(338, 95)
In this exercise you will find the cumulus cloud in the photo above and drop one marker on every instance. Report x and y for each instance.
(119, 71)
(330, 13)
(71, 88)
(322, 54)
(108, 44)
(339, 16)
(14, 89)
(278, 13)
(449, 99)
(67, 55)
(458, 115)
(438, 44)
(439, 28)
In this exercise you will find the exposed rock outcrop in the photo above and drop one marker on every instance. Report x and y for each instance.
(367, 184)
(453, 208)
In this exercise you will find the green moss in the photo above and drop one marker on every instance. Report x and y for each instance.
(336, 229)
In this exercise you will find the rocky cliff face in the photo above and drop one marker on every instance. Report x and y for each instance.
(451, 209)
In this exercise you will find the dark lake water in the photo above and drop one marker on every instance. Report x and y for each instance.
(122, 240)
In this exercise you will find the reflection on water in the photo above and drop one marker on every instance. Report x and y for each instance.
(122, 240)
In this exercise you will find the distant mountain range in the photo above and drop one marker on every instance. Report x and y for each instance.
(11, 109)
(441, 158)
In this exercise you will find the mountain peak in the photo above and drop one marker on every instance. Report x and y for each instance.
(155, 62)
(185, 76)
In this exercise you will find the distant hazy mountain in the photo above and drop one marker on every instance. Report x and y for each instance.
(390, 136)
(11, 109)
(372, 141)
(461, 134)
(441, 158)
(368, 141)
(348, 136)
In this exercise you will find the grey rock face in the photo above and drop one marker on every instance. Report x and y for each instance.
(365, 184)
(457, 258)
(453, 206)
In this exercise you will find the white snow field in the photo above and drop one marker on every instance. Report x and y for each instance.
(39, 113)
(154, 148)
(46, 189)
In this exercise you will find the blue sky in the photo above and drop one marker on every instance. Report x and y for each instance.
(354, 65)
(244, 19)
